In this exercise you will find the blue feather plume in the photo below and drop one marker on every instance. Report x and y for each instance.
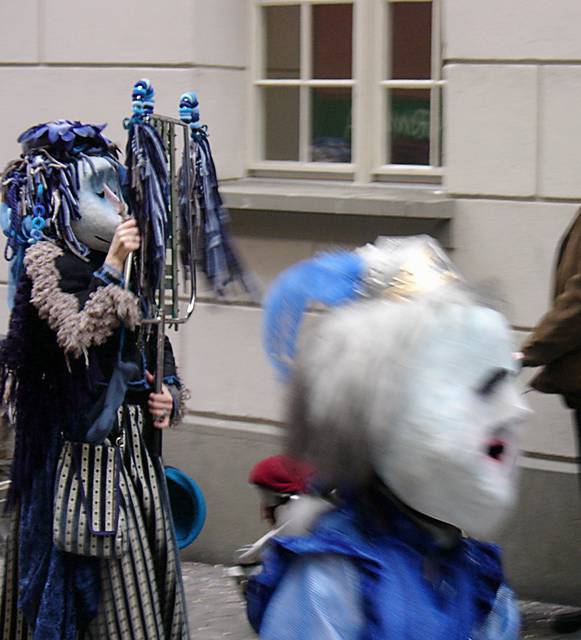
(331, 279)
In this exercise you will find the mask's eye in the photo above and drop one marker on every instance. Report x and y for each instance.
(491, 383)
(100, 179)
(112, 182)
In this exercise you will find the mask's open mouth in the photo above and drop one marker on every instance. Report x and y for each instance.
(496, 449)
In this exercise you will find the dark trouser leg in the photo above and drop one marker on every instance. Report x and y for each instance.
(571, 622)
(578, 434)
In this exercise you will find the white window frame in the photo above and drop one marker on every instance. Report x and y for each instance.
(369, 89)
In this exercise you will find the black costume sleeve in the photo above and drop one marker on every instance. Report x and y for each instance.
(169, 362)
(79, 307)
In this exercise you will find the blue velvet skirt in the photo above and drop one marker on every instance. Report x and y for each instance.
(141, 594)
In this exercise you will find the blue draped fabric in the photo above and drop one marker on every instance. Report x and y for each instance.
(103, 415)
(58, 593)
(220, 264)
(349, 583)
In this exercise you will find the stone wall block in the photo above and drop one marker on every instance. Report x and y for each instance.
(513, 30)
(113, 32)
(220, 35)
(104, 95)
(223, 364)
(19, 32)
(490, 129)
(560, 132)
(510, 247)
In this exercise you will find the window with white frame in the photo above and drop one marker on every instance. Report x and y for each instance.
(347, 89)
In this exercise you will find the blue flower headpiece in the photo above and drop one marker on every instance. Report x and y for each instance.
(40, 190)
(64, 138)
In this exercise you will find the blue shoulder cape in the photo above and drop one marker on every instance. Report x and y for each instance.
(408, 586)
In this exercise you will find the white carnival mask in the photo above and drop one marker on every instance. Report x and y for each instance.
(450, 451)
(409, 378)
(100, 203)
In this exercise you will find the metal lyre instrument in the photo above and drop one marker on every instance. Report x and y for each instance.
(176, 295)
(171, 301)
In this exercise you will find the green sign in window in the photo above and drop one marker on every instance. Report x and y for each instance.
(408, 134)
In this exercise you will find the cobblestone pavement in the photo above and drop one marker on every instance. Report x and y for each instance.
(215, 606)
(216, 611)
(536, 618)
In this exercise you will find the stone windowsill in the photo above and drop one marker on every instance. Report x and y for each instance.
(339, 198)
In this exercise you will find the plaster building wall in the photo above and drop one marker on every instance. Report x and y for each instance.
(512, 132)
(512, 177)
(64, 59)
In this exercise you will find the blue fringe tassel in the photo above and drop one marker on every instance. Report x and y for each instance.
(148, 200)
(217, 258)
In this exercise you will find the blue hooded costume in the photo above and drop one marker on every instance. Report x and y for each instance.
(346, 582)
(72, 358)
(402, 398)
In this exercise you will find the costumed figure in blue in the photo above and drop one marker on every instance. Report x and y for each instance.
(92, 551)
(403, 397)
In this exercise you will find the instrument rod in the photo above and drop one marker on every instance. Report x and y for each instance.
(160, 352)
(127, 269)
(174, 222)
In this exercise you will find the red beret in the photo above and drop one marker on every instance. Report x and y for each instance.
(282, 474)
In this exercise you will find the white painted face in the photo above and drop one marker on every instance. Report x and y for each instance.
(452, 452)
(100, 204)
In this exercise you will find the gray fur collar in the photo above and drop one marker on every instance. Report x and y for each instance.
(76, 329)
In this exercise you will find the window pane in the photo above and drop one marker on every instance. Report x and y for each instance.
(332, 41)
(409, 53)
(281, 123)
(331, 125)
(282, 42)
(408, 133)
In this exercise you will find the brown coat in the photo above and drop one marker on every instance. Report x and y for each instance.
(555, 343)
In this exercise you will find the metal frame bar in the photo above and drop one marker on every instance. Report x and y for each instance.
(255, 135)
(361, 104)
(433, 84)
(412, 84)
(383, 100)
(282, 3)
(436, 93)
(167, 127)
(306, 167)
(306, 72)
(413, 170)
(305, 83)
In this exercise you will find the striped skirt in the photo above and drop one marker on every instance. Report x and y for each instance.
(142, 595)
